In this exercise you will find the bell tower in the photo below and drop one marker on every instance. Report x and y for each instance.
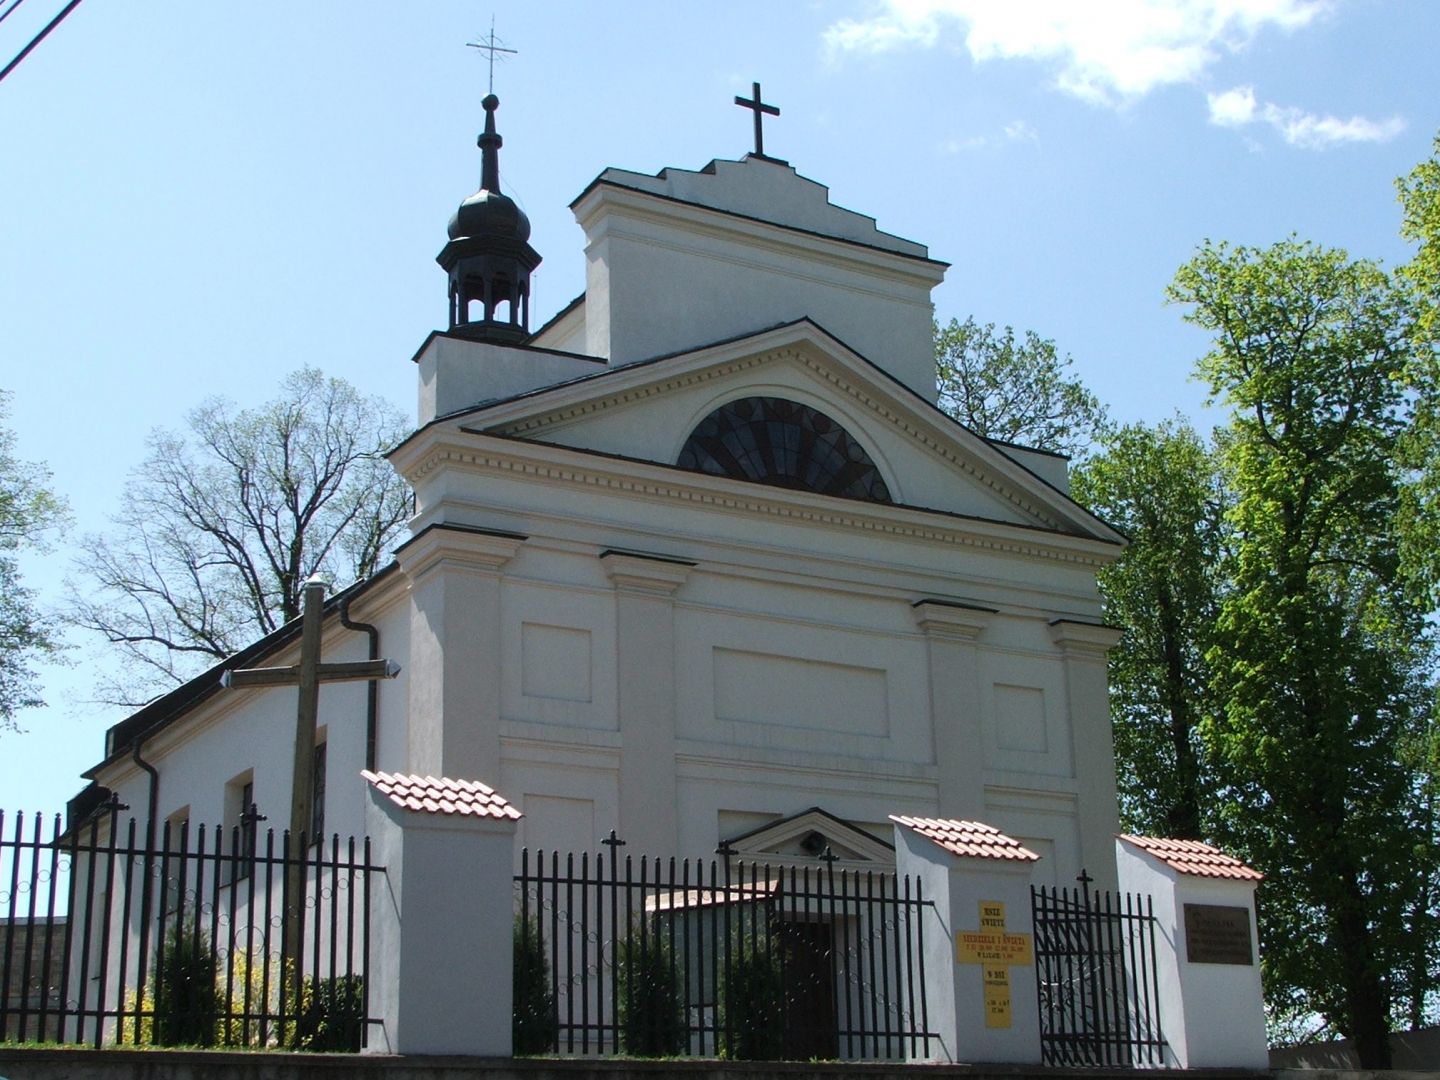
(489, 258)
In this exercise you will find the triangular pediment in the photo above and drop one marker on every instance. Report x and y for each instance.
(812, 836)
(645, 412)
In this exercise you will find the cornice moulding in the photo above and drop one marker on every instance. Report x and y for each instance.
(645, 574)
(481, 454)
(1084, 639)
(609, 197)
(941, 619)
(811, 349)
(458, 548)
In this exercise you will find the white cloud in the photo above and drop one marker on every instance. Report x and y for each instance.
(1233, 108)
(1106, 53)
(1300, 128)
(1014, 131)
(964, 146)
(1020, 131)
(1238, 107)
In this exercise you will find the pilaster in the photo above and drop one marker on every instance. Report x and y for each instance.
(951, 631)
(1087, 702)
(645, 587)
(454, 577)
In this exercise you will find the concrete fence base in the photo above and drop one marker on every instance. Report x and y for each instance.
(68, 1064)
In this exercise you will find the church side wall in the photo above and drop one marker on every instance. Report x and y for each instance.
(241, 736)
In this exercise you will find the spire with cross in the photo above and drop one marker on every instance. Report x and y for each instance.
(492, 45)
(760, 109)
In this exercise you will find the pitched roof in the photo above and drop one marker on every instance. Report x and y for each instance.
(432, 795)
(1193, 857)
(971, 839)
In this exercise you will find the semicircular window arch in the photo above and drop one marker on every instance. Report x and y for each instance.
(776, 441)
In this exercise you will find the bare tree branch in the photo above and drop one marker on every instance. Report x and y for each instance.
(221, 525)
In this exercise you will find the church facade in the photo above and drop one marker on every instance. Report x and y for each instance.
(699, 560)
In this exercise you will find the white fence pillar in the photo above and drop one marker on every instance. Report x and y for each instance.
(979, 941)
(1206, 950)
(440, 940)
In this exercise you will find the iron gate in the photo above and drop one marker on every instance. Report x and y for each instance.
(1096, 976)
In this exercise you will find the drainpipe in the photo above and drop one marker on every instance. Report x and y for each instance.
(372, 689)
(154, 801)
(146, 890)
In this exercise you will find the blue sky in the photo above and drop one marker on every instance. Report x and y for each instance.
(201, 197)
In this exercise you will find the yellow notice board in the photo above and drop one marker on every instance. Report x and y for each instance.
(996, 950)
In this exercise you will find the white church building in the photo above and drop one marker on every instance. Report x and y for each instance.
(698, 560)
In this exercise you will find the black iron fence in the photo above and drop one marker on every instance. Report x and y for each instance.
(1096, 970)
(654, 957)
(189, 937)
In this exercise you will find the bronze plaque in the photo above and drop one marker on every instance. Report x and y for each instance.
(1217, 935)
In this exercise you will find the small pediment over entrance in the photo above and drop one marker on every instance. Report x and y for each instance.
(807, 838)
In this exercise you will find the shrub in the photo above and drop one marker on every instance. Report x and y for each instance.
(534, 1026)
(183, 989)
(751, 1000)
(332, 1014)
(652, 1020)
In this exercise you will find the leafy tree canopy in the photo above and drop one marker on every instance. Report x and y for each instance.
(1160, 487)
(221, 526)
(1420, 203)
(1014, 390)
(1320, 654)
(29, 512)
(1420, 449)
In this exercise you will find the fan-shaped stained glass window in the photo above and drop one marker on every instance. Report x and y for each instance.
(781, 442)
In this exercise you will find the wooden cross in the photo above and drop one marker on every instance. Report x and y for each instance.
(308, 674)
(995, 950)
(760, 109)
(489, 45)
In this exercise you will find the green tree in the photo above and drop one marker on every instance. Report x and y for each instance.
(220, 528)
(1161, 488)
(28, 514)
(1017, 391)
(1420, 449)
(1420, 204)
(1420, 548)
(1320, 653)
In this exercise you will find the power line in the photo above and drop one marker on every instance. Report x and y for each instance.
(38, 37)
(6, 13)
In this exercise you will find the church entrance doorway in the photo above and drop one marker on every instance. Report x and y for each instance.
(808, 966)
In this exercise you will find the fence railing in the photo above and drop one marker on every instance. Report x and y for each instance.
(655, 957)
(187, 937)
(1097, 978)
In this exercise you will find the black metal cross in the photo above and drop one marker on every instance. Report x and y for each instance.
(759, 108)
(491, 45)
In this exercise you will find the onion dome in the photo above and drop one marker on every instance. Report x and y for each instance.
(489, 258)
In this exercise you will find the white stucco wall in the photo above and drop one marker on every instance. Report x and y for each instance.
(240, 732)
(667, 271)
(1212, 1015)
